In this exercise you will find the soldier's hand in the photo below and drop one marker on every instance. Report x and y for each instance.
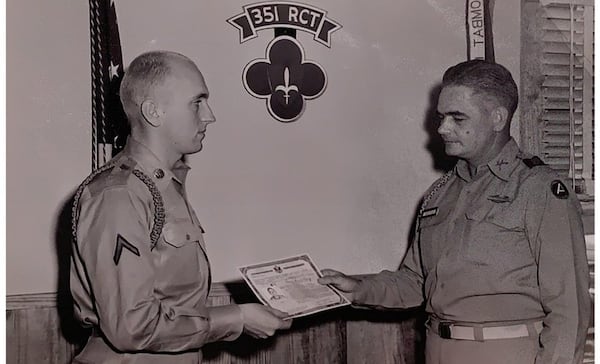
(340, 281)
(261, 321)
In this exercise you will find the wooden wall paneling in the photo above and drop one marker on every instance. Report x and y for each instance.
(315, 339)
(35, 337)
(244, 349)
(212, 354)
(12, 337)
(282, 348)
(385, 337)
(320, 338)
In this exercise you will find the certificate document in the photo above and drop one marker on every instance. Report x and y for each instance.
(290, 285)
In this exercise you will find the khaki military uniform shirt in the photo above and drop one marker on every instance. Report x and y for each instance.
(147, 304)
(505, 245)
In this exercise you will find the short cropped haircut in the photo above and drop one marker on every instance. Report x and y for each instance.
(484, 77)
(144, 73)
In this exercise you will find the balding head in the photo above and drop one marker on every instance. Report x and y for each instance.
(145, 74)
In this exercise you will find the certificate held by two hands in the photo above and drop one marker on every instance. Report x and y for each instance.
(290, 285)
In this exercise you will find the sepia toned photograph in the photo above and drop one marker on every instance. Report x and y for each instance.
(175, 170)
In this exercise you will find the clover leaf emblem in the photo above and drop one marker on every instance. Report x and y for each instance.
(285, 79)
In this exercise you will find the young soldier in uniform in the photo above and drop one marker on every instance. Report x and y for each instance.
(499, 257)
(140, 275)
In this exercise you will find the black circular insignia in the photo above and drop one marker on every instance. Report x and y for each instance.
(285, 79)
(559, 189)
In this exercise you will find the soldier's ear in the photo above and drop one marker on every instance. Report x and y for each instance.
(151, 113)
(499, 118)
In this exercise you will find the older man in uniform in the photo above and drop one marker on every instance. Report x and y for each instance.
(140, 275)
(499, 257)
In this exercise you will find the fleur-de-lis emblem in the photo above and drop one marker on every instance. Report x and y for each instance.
(286, 87)
(285, 79)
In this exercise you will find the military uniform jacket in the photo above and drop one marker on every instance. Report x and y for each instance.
(506, 245)
(144, 294)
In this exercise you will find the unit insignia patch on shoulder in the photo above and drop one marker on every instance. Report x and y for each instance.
(559, 189)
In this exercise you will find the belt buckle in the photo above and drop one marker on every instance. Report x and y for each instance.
(444, 330)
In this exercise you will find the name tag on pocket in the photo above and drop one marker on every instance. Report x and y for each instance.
(429, 212)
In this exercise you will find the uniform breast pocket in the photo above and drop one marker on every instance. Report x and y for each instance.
(181, 257)
(432, 236)
(504, 217)
(430, 223)
(496, 235)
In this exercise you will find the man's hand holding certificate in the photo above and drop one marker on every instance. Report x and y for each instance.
(290, 285)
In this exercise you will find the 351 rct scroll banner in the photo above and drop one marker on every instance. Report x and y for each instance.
(284, 78)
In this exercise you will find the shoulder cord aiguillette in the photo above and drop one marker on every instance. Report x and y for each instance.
(441, 182)
(159, 207)
(159, 211)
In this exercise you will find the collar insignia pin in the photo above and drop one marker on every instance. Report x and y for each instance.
(159, 173)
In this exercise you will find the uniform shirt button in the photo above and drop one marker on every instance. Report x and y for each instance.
(159, 173)
(187, 236)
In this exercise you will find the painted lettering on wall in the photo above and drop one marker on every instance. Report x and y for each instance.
(267, 15)
(284, 78)
(476, 25)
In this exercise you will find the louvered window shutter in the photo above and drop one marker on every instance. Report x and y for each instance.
(567, 115)
(556, 119)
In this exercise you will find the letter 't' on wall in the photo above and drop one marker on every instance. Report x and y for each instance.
(479, 29)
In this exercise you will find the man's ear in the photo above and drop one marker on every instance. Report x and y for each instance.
(151, 113)
(499, 118)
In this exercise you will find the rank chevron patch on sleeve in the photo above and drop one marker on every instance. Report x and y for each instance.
(123, 243)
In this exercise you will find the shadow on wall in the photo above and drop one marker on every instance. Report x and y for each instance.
(435, 145)
(71, 329)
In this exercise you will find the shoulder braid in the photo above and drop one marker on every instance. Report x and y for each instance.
(159, 211)
(434, 190)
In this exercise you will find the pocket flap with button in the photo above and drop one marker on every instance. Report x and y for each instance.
(479, 212)
(505, 215)
(180, 233)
